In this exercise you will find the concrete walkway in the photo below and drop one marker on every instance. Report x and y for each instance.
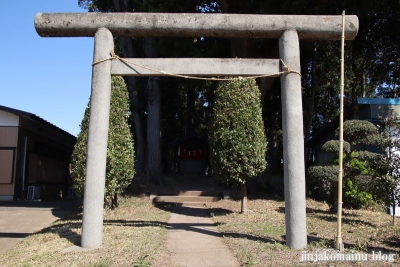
(19, 219)
(193, 239)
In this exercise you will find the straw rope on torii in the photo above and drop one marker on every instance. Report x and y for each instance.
(289, 29)
(113, 55)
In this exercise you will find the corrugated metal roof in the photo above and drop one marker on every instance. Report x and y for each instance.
(36, 118)
(378, 101)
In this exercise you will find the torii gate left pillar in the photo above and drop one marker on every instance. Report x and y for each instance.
(93, 199)
(288, 29)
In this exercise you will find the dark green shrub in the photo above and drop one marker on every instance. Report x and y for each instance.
(359, 165)
(120, 148)
(333, 146)
(354, 197)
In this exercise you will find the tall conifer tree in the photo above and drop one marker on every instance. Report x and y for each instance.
(120, 148)
(238, 143)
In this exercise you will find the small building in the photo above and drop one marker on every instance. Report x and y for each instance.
(189, 154)
(35, 157)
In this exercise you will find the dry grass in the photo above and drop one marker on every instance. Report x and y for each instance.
(257, 238)
(132, 236)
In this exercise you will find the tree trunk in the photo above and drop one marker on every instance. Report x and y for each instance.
(271, 51)
(310, 105)
(394, 212)
(334, 197)
(271, 112)
(190, 104)
(274, 160)
(243, 197)
(239, 47)
(114, 201)
(139, 137)
(153, 170)
(128, 52)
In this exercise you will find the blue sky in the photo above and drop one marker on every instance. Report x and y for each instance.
(49, 77)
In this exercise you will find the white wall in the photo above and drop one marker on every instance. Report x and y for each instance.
(397, 210)
(8, 119)
(381, 111)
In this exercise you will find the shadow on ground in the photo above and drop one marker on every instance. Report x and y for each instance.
(59, 208)
(191, 211)
(324, 215)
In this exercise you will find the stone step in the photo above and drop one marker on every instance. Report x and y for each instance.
(186, 199)
(189, 193)
(191, 204)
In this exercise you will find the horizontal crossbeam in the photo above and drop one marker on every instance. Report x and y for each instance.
(200, 67)
(194, 25)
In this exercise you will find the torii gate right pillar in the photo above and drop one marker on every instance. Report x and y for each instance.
(293, 143)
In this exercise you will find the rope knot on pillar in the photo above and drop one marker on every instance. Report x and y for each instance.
(287, 69)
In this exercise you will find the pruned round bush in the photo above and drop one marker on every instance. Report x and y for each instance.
(329, 173)
(333, 146)
(238, 142)
(362, 132)
(120, 147)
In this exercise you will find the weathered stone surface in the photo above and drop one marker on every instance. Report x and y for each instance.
(206, 67)
(93, 202)
(293, 143)
(195, 25)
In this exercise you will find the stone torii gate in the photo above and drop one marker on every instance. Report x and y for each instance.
(287, 28)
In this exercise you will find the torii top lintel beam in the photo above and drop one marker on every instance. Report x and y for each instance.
(195, 25)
